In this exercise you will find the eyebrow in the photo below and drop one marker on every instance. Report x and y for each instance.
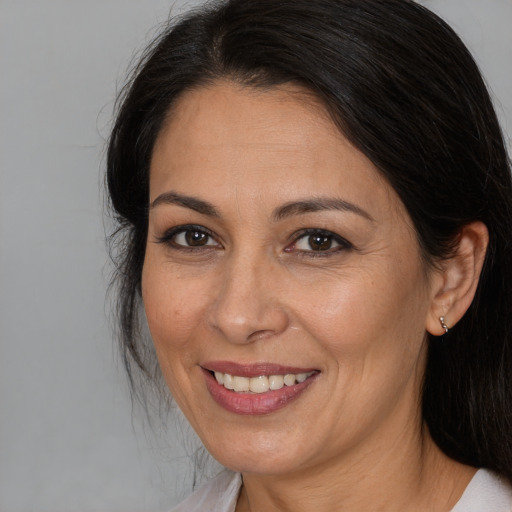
(317, 205)
(193, 203)
(282, 212)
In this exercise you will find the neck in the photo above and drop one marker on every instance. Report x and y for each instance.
(407, 473)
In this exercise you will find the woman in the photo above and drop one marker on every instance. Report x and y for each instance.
(316, 203)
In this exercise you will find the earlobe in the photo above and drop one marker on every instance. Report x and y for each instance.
(455, 284)
(443, 324)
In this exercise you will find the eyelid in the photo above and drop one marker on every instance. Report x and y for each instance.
(342, 243)
(169, 234)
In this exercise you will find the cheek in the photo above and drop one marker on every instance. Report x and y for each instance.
(374, 310)
(174, 308)
(370, 329)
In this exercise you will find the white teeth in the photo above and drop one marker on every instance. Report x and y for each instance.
(289, 379)
(260, 384)
(240, 383)
(276, 382)
(228, 381)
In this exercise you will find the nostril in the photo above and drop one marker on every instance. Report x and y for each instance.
(245, 319)
(260, 335)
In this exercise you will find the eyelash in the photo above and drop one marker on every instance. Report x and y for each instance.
(342, 244)
(169, 238)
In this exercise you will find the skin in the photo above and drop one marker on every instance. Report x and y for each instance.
(257, 292)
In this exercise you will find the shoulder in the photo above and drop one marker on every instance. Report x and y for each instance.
(486, 492)
(219, 494)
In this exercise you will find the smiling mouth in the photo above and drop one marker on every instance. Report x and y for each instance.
(261, 383)
(257, 388)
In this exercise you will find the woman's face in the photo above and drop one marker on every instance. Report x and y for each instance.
(279, 258)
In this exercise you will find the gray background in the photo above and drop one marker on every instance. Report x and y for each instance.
(68, 441)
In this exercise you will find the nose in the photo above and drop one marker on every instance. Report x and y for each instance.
(249, 305)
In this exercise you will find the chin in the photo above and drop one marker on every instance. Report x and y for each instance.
(264, 454)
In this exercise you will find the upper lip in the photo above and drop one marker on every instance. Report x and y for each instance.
(253, 369)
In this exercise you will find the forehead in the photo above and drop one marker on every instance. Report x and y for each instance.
(279, 142)
(237, 102)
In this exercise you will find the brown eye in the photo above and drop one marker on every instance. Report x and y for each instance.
(196, 238)
(320, 242)
(317, 241)
(189, 237)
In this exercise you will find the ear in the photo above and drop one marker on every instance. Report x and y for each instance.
(455, 284)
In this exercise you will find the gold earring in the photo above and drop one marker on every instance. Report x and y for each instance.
(443, 325)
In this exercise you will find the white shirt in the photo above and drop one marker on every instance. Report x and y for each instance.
(485, 493)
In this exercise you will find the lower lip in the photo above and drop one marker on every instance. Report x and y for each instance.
(254, 403)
